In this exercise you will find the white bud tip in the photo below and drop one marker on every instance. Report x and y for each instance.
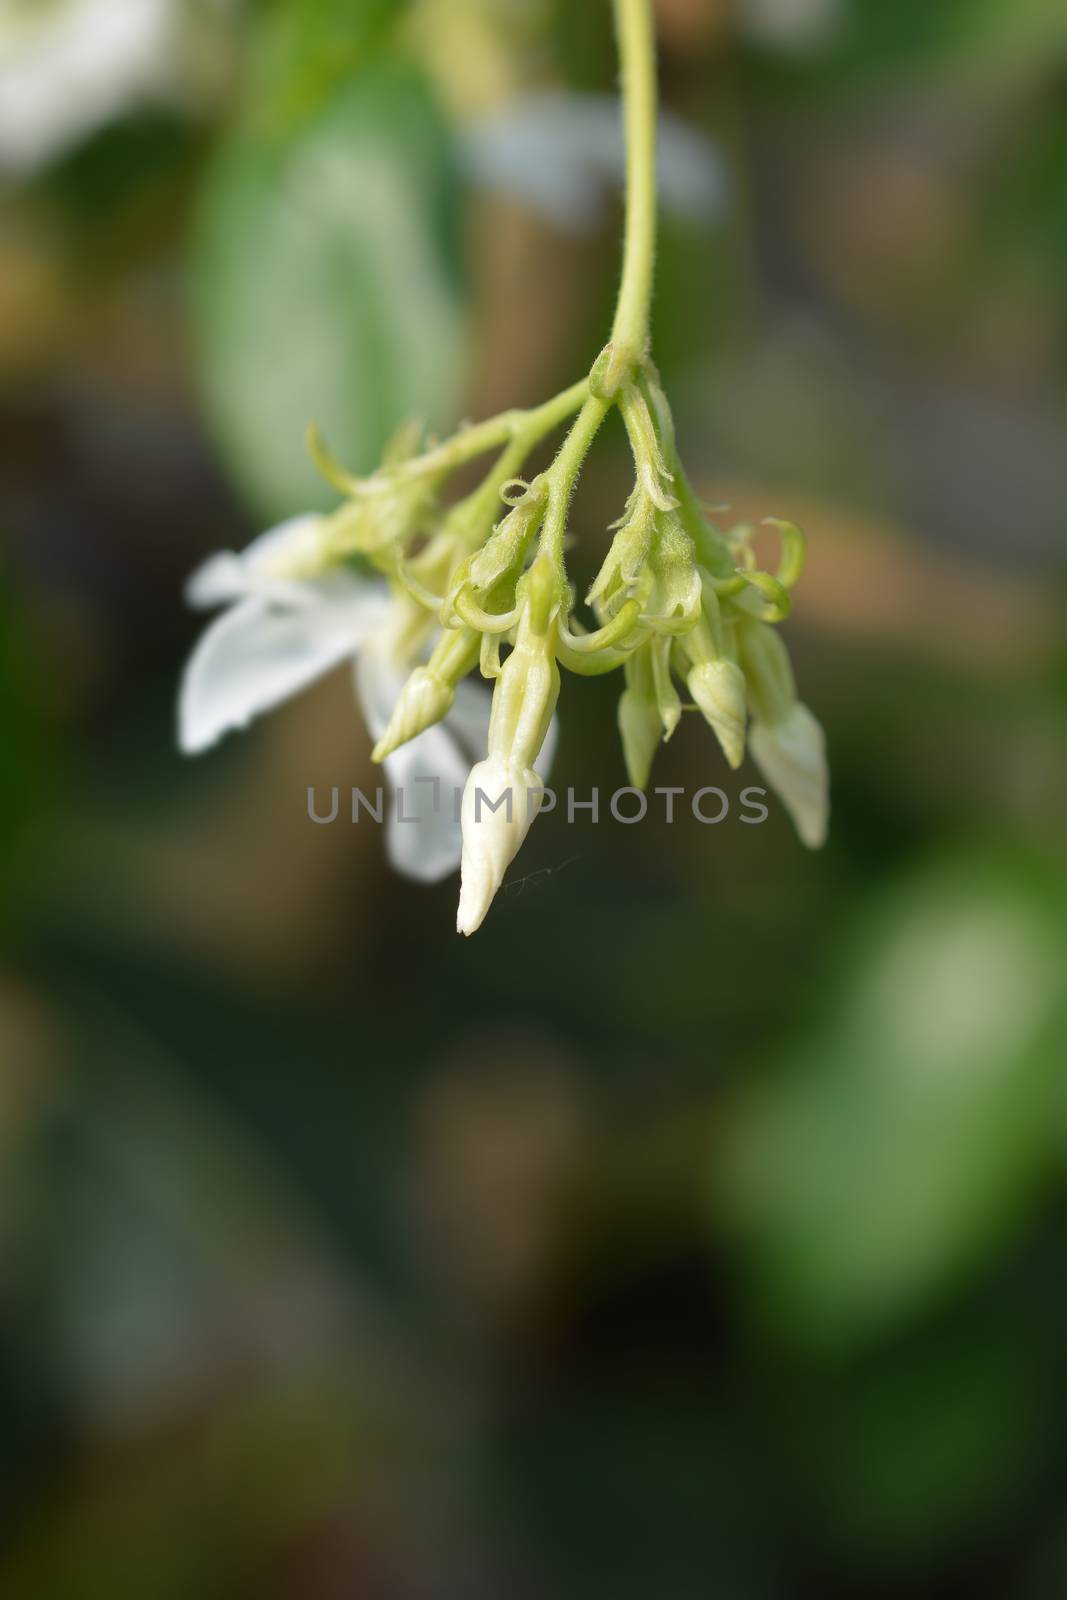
(499, 803)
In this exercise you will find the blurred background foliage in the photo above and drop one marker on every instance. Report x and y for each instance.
(699, 1228)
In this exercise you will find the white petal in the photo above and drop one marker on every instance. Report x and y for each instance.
(66, 70)
(468, 720)
(427, 775)
(257, 654)
(379, 680)
(291, 546)
(547, 753)
(262, 566)
(222, 579)
(791, 754)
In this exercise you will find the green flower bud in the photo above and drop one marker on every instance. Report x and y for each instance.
(718, 687)
(625, 562)
(769, 673)
(640, 727)
(387, 513)
(671, 593)
(791, 754)
(430, 692)
(668, 700)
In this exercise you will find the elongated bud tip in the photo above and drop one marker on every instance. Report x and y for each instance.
(718, 687)
(670, 713)
(641, 731)
(791, 754)
(424, 700)
(499, 803)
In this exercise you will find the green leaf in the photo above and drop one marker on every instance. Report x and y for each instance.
(910, 1139)
(900, 1454)
(325, 288)
(303, 51)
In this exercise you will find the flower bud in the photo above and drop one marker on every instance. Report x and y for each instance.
(424, 700)
(771, 687)
(791, 754)
(668, 700)
(718, 687)
(673, 590)
(641, 732)
(502, 794)
(625, 562)
(500, 802)
(430, 692)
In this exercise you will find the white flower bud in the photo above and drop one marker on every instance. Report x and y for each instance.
(503, 793)
(500, 802)
(718, 687)
(791, 754)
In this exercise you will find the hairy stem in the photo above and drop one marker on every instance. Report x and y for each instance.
(637, 55)
(630, 332)
(563, 474)
(525, 427)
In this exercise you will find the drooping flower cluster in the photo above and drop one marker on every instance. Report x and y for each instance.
(424, 593)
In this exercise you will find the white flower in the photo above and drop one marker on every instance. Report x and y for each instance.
(70, 67)
(287, 623)
(791, 754)
(67, 69)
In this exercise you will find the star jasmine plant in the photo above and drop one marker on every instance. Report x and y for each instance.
(423, 594)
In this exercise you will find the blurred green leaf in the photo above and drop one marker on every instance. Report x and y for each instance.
(303, 51)
(899, 1453)
(908, 1140)
(325, 287)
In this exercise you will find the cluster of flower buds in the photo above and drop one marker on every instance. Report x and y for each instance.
(429, 592)
(422, 590)
(681, 608)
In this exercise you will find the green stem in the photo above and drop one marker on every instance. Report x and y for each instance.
(630, 332)
(510, 427)
(484, 504)
(637, 54)
(563, 474)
